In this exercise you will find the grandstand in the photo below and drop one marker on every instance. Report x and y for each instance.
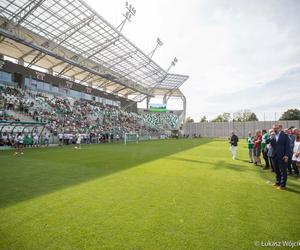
(86, 158)
(63, 64)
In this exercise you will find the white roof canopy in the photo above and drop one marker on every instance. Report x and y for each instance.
(68, 37)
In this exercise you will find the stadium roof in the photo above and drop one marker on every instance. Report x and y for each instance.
(69, 38)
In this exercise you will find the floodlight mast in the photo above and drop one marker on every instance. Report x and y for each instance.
(130, 12)
(173, 63)
(158, 43)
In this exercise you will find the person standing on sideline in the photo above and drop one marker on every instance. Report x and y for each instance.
(19, 143)
(46, 139)
(270, 152)
(292, 137)
(233, 144)
(282, 151)
(296, 152)
(250, 142)
(35, 139)
(264, 149)
(257, 148)
(78, 141)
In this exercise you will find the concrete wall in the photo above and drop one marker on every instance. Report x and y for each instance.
(223, 129)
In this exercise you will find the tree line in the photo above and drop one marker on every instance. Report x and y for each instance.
(246, 116)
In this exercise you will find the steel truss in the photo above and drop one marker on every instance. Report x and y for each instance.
(85, 46)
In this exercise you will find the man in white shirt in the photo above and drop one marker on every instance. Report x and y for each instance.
(35, 139)
(46, 138)
(19, 143)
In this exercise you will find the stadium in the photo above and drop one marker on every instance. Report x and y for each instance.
(89, 159)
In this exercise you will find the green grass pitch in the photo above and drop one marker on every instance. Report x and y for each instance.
(173, 194)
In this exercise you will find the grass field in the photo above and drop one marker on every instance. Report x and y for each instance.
(176, 194)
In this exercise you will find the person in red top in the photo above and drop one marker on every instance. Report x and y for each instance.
(257, 147)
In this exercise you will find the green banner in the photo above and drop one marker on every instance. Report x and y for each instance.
(158, 108)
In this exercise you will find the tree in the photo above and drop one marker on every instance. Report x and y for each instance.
(245, 116)
(189, 120)
(291, 114)
(225, 117)
(252, 117)
(203, 119)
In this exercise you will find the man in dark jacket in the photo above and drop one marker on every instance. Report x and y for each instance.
(233, 144)
(281, 152)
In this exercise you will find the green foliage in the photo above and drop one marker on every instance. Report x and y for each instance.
(290, 114)
(189, 120)
(225, 117)
(245, 116)
(203, 119)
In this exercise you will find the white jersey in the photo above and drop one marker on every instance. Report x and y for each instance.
(20, 139)
(35, 137)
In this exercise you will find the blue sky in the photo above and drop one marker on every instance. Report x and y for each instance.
(239, 54)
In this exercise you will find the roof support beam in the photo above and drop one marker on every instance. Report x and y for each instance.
(87, 78)
(118, 89)
(129, 92)
(102, 83)
(95, 52)
(26, 10)
(62, 38)
(124, 58)
(108, 84)
(142, 65)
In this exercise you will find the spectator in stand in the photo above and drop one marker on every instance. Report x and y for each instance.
(264, 148)
(250, 142)
(233, 144)
(257, 147)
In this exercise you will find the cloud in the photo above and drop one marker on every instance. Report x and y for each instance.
(230, 47)
(274, 96)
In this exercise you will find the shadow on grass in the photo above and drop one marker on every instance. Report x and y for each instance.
(234, 166)
(42, 171)
(218, 165)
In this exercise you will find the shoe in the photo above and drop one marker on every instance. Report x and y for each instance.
(250, 161)
(281, 188)
(276, 185)
(16, 153)
(265, 168)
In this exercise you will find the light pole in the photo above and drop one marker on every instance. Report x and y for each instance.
(130, 12)
(158, 43)
(173, 63)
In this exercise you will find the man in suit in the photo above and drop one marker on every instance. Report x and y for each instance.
(280, 143)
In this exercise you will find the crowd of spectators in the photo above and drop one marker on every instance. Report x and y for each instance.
(70, 116)
(270, 144)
